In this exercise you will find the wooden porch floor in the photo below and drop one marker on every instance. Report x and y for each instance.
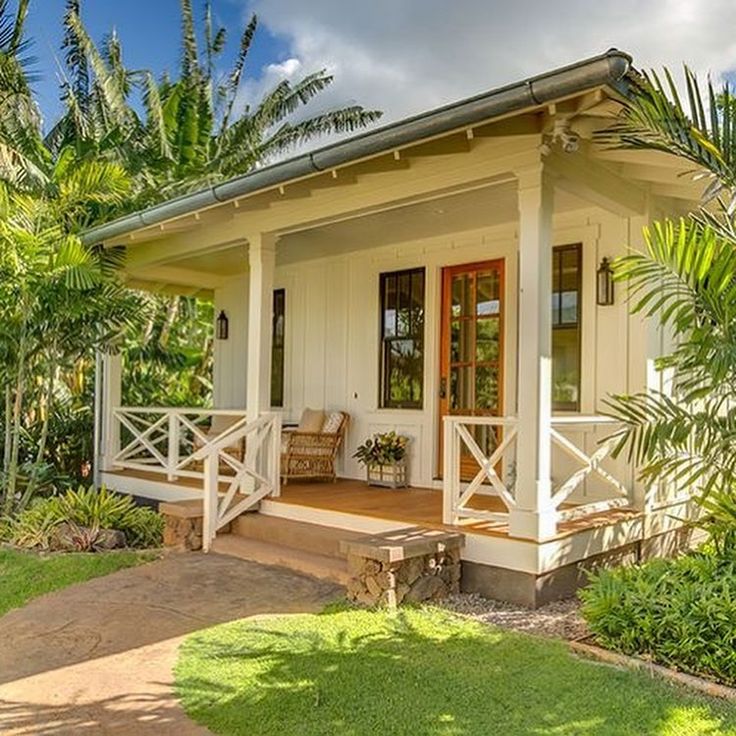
(411, 506)
(418, 506)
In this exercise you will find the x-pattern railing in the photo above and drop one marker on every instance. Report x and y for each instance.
(257, 477)
(590, 465)
(456, 498)
(459, 440)
(166, 440)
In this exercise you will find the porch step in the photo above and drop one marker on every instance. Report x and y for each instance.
(298, 535)
(319, 566)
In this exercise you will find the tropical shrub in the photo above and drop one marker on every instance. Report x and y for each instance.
(680, 613)
(85, 508)
(685, 280)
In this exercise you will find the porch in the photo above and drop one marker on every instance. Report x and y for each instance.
(171, 454)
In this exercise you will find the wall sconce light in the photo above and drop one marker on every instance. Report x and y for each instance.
(223, 326)
(604, 284)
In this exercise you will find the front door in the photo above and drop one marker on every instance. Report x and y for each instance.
(471, 355)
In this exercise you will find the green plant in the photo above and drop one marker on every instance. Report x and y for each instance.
(86, 508)
(382, 449)
(680, 613)
(685, 280)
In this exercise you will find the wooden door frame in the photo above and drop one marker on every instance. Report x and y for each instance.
(447, 272)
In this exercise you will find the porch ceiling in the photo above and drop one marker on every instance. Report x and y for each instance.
(453, 213)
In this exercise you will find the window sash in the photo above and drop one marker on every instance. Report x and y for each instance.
(402, 295)
(566, 317)
(278, 347)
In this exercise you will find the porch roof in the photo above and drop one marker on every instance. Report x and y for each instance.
(611, 70)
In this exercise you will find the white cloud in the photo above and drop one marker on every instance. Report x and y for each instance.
(405, 56)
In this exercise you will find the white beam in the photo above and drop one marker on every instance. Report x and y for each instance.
(534, 517)
(111, 393)
(262, 260)
(580, 175)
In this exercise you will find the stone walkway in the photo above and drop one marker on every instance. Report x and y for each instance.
(97, 658)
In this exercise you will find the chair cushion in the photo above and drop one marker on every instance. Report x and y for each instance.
(312, 420)
(332, 422)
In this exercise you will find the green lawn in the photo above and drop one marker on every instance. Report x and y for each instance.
(26, 575)
(420, 672)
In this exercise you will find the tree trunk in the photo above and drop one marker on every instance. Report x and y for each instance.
(171, 312)
(12, 481)
(43, 439)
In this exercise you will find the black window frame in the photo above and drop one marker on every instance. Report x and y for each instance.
(558, 325)
(278, 348)
(415, 333)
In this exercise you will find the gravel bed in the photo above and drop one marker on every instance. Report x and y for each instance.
(561, 620)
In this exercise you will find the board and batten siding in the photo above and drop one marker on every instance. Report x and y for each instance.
(332, 335)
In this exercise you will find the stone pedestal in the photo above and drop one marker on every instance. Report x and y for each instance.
(182, 525)
(408, 565)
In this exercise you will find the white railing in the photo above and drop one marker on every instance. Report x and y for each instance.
(256, 477)
(590, 466)
(237, 463)
(165, 439)
(496, 469)
(457, 495)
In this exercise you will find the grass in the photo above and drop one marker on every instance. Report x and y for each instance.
(422, 671)
(26, 575)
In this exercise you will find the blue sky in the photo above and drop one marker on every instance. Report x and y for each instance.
(405, 56)
(149, 30)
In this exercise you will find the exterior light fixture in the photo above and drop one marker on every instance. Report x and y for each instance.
(223, 326)
(604, 284)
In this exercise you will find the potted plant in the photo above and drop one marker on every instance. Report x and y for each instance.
(384, 457)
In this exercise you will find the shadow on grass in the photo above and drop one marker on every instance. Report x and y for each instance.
(419, 672)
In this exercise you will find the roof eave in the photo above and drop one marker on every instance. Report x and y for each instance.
(610, 69)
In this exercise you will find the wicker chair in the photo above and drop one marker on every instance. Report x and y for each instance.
(307, 454)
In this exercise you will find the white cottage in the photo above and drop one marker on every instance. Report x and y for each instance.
(444, 277)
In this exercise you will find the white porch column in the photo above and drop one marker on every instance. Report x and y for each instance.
(110, 395)
(261, 259)
(534, 518)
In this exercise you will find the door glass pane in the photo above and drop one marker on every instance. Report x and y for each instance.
(486, 388)
(461, 295)
(487, 345)
(461, 345)
(489, 297)
(461, 388)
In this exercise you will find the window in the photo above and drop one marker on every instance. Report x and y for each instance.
(402, 339)
(277, 347)
(566, 273)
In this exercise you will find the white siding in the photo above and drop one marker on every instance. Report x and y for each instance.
(332, 332)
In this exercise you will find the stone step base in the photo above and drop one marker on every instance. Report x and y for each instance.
(298, 535)
(267, 553)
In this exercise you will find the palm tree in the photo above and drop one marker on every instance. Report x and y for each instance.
(193, 131)
(59, 300)
(686, 279)
(22, 154)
